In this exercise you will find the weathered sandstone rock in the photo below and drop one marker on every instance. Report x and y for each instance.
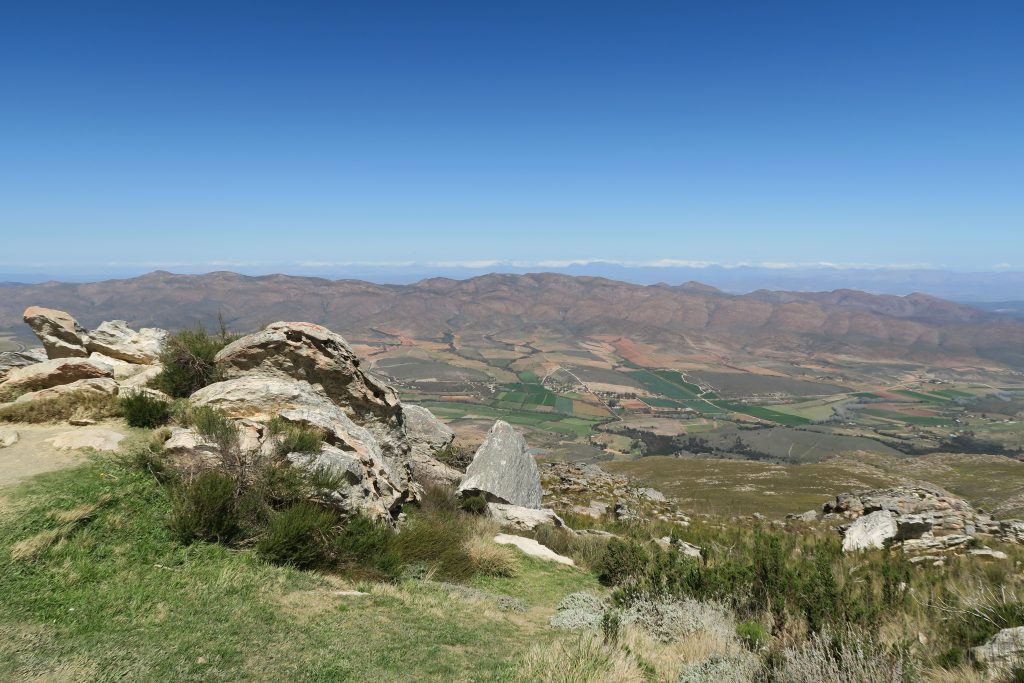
(8, 437)
(502, 470)
(142, 378)
(61, 335)
(522, 519)
(533, 549)
(1002, 652)
(54, 372)
(313, 353)
(427, 435)
(18, 359)
(97, 386)
(115, 339)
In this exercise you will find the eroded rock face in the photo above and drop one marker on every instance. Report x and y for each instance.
(870, 531)
(61, 335)
(1002, 652)
(502, 470)
(51, 373)
(97, 386)
(927, 518)
(115, 339)
(426, 435)
(259, 397)
(10, 360)
(313, 353)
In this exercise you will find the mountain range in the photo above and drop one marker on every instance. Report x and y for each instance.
(693, 315)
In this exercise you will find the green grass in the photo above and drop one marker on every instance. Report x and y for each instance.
(909, 419)
(927, 398)
(119, 599)
(766, 414)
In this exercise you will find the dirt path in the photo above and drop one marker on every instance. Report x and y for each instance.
(32, 455)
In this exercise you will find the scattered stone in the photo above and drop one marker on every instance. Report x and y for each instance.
(96, 438)
(870, 531)
(81, 422)
(103, 386)
(115, 339)
(503, 470)
(8, 437)
(522, 519)
(1002, 652)
(624, 514)
(688, 549)
(61, 335)
(533, 549)
(652, 494)
(809, 516)
(987, 552)
(51, 373)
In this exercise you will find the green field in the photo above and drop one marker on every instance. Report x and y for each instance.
(909, 419)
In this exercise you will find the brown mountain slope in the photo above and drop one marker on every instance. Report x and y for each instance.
(915, 327)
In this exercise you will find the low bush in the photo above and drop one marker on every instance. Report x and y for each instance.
(455, 456)
(474, 505)
(58, 409)
(752, 634)
(142, 410)
(366, 543)
(623, 559)
(298, 536)
(206, 509)
(146, 456)
(436, 541)
(188, 362)
(295, 438)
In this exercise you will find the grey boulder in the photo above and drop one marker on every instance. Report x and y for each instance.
(502, 470)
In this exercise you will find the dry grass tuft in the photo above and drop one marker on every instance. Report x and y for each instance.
(583, 659)
(34, 546)
(71, 406)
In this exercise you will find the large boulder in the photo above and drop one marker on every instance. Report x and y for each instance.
(95, 386)
(426, 435)
(259, 397)
(115, 339)
(362, 483)
(522, 519)
(19, 359)
(61, 335)
(502, 470)
(312, 353)
(51, 373)
(870, 531)
(1003, 652)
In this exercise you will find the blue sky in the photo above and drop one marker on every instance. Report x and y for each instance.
(289, 134)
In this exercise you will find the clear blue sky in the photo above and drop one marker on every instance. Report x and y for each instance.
(287, 133)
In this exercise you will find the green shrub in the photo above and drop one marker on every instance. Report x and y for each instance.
(147, 456)
(142, 410)
(752, 634)
(295, 438)
(188, 363)
(299, 536)
(206, 509)
(216, 426)
(368, 543)
(474, 505)
(623, 559)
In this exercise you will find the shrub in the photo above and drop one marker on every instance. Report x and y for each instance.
(147, 457)
(188, 362)
(437, 541)
(368, 543)
(491, 559)
(752, 634)
(142, 410)
(844, 657)
(474, 505)
(295, 438)
(299, 536)
(621, 561)
(206, 509)
(455, 456)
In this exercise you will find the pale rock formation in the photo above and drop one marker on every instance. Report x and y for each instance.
(115, 339)
(522, 519)
(1002, 652)
(502, 470)
(142, 378)
(8, 437)
(870, 531)
(426, 435)
(61, 335)
(99, 386)
(533, 549)
(51, 373)
(18, 359)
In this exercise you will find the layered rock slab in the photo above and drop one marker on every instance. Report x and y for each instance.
(502, 470)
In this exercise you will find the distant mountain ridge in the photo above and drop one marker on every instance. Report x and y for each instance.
(842, 321)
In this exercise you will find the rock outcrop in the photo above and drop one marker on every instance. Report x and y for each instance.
(502, 470)
(1003, 652)
(51, 373)
(426, 435)
(920, 518)
(61, 335)
(522, 519)
(19, 359)
(98, 386)
(115, 339)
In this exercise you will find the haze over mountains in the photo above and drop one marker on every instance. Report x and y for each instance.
(695, 316)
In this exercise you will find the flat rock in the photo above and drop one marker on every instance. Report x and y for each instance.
(260, 397)
(97, 438)
(870, 531)
(61, 335)
(1002, 652)
(50, 373)
(145, 375)
(534, 549)
(502, 470)
(115, 339)
(8, 437)
(101, 386)
(522, 519)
